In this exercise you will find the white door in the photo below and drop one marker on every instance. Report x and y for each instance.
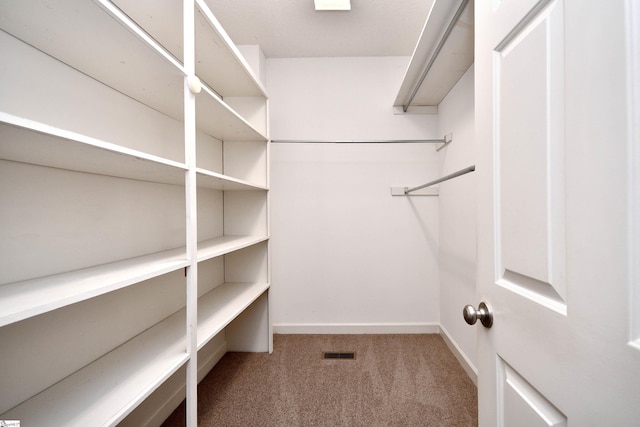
(555, 260)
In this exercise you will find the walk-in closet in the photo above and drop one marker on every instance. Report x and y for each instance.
(312, 212)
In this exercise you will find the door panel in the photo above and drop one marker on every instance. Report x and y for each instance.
(520, 404)
(529, 148)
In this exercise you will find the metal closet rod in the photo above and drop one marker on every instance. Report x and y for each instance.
(436, 52)
(439, 180)
(357, 141)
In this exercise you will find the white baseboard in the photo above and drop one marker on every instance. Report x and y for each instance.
(466, 364)
(357, 328)
(211, 361)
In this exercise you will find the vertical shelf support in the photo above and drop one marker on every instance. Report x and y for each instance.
(191, 215)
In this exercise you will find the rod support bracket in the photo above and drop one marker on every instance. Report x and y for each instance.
(446, 141)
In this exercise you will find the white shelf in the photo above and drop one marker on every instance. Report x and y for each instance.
(217, 119)
(216, 181)
(218, 307)
(218, 61)
(105, 391)
(27, 141)
(21, 300)
(99, 40)
(223, 245)
(449, 66)
(161, 19)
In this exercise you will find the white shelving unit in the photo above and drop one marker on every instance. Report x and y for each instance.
(109, 168)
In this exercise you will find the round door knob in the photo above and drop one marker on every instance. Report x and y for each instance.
(483, 314)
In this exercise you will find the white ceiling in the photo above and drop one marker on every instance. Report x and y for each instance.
(292, 28)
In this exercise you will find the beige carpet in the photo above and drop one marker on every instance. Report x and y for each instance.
(395, 380)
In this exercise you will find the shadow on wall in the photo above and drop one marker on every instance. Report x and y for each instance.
(424, 230)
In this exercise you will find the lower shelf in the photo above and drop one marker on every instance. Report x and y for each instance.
(217, 308)
(107, 390)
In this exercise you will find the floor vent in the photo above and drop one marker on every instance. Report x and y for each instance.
(348, 355)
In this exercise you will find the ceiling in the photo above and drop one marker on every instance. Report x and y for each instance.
(292, 28)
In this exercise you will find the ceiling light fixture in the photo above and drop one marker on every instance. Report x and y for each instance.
(332, 4)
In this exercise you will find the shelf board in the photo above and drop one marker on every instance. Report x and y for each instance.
(96, 38)
(27, 141)
(218, 61)
(161, 19)
(453, 61)
(218, 307)
(223, 245)
(216, 181)
(107, 390)
(22, 300)
(216, 118)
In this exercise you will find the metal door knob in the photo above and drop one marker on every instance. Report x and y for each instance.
(483, 314)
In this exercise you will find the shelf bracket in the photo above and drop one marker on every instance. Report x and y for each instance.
(447, 139)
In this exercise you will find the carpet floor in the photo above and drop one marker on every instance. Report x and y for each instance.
(394, 380)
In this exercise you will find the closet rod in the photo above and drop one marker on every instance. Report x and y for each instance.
(443, 40)
(444, 178)
(357, 141)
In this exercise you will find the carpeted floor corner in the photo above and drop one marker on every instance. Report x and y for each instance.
(395, 380)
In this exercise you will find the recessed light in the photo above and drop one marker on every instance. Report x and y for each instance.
(332, 4)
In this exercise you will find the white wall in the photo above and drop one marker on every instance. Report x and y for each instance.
(253, 54)
(346, 256)
(458, 220)
(341, 98)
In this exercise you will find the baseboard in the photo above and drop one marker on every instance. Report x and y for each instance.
(211, 360)
(357, 328)
(466, 364)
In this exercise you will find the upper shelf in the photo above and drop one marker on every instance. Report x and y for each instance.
(217, 119)
(28, 141)
(218, 62)
(443, 53)
(97, 39)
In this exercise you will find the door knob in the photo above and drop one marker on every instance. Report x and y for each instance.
(483, 313)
